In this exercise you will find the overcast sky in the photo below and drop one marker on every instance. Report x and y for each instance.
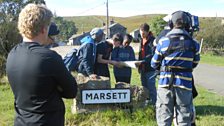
(125, 8)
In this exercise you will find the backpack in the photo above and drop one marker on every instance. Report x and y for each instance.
(71, 60)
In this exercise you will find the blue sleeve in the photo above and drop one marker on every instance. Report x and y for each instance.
(197, 55)
(132, 54)
(88, 58)
(157, 57)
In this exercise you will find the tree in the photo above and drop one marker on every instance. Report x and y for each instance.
(211, 30)
(67, 28)
(157, 24)
(9, 35)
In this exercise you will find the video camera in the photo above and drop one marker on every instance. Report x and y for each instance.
(195, 23)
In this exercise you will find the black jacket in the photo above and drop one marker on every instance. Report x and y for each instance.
(149, 52)
(39, 81)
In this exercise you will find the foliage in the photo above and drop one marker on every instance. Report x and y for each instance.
(67, 28)
(157, 24)
(211, 30)
(9, 35)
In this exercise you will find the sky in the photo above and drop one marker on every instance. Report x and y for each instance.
(126, 8)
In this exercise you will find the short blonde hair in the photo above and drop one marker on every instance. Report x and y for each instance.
(32, 19)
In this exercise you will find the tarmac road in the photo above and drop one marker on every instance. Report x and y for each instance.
(210, 77)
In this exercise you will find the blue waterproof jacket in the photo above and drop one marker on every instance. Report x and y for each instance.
(87, 56)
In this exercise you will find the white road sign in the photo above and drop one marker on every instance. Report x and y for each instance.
(106, 96)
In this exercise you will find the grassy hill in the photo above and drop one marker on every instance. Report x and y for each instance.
(86, 23)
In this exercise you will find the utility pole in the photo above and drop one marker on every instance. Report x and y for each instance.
(107, 26)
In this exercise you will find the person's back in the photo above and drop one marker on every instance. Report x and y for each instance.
(86, 56)
(176, 55)
(37, 75)
(87, 52)
(177, 58)
(104, 50)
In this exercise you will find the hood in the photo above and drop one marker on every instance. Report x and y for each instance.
(87, 39)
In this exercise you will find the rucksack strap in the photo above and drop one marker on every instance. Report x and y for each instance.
(177, 44)
(169, 69)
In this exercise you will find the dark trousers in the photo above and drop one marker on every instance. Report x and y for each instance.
(123, 79)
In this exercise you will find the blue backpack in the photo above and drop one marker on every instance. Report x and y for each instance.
(71, 60)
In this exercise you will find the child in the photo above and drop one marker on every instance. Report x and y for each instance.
(122, 53)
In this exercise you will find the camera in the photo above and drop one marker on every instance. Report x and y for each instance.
(195, 23)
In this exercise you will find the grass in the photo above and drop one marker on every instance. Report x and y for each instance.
(209, 108)
(210, 58)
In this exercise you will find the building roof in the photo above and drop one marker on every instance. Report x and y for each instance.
(78, 35)
(114, 25)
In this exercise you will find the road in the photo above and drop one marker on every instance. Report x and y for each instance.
(210, 77)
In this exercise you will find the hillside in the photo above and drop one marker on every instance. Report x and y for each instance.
(86, 23)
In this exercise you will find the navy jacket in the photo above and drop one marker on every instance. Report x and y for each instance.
(122, 54)
(87, 56)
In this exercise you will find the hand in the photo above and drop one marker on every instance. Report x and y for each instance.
(137, 64)
(114, 63)
(93, 76)
(120, 65)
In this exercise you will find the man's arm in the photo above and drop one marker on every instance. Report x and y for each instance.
(197, 55)
(157, 57)
(104, 61)
(66, 83)
(88, 58)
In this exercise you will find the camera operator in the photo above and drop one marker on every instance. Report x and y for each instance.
(176, 55)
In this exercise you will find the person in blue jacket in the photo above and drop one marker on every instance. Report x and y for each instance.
(87, 53)
(175, 57)
(121, 53)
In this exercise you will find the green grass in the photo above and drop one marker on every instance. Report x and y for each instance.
(6, 105)
(209, 108)
(210, 58)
